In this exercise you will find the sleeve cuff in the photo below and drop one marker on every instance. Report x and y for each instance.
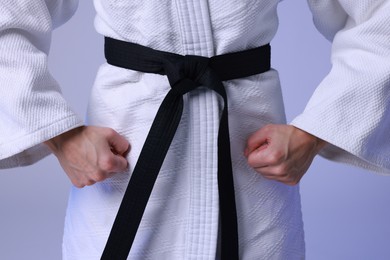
(340, 148)
(28, 149)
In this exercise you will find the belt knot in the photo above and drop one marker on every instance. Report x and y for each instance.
(187, 72)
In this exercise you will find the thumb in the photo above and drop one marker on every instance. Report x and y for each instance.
(120, 163)
(259, 157)
(119, 145)
(257, 141)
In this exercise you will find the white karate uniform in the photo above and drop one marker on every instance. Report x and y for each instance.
(349, 110)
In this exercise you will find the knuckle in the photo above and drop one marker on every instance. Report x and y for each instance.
(107, 163)
(281, 171)
(268, 128)
(89, 183)
(78, 184)
(292, 180)
(251, 141)
(276, 157)
(99, 177)
(124, 165)
(109, 132)
(252, 161)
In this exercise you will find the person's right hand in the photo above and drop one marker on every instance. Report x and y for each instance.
(90, 154)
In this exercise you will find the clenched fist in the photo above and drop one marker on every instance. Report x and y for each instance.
(282, 152)
(90, 154)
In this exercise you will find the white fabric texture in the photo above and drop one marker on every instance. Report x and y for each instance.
(348, 110)
(32, 109)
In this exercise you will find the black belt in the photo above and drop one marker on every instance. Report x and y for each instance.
(185, 73)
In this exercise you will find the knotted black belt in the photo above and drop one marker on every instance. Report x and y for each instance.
(185, 73)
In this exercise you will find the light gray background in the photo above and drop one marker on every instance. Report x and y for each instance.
(346, 210)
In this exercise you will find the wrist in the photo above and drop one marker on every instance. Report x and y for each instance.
(56, 142)
(318, 142)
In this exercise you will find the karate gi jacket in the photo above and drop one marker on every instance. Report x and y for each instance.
(349, 110)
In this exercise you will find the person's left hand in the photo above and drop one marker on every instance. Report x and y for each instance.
(282, 152)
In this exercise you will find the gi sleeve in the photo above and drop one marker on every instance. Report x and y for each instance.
(350, 109)
(32, 109)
